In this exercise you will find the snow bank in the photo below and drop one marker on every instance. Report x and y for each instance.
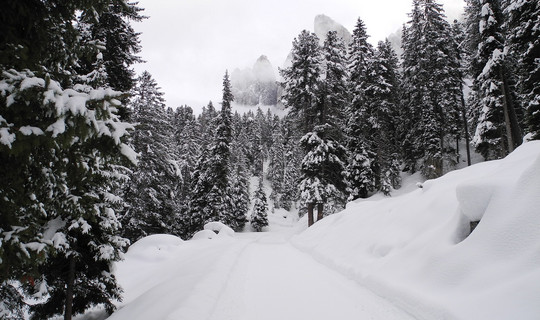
(165, 278)
(415, 249)
(220, 228)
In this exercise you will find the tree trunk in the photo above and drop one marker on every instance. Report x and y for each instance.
(69, 289)
(310, 214)
(466, 128)
(513, 132)
(320, 207)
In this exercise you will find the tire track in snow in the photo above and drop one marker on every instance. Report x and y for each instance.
(273, 280)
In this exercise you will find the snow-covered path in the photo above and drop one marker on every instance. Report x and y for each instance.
(273, 280)
(251, 276)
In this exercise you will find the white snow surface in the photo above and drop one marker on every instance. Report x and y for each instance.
(409, 256)
(415, 251)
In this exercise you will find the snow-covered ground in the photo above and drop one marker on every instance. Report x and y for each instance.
(409, 256)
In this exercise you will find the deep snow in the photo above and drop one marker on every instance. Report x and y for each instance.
(401, 257)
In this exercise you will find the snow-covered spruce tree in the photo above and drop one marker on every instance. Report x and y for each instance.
(70, 217)
(187, 142)
(359, 172)
(322, 170)
(387, 106)
(429, 87)
(259, 216)
(334, 86)
(461, 58)
(151, 193)
(211, 199)
(61, 149)
(301, 80)
(523, 34)
(207, 124)
(236, 218)
(497, 130)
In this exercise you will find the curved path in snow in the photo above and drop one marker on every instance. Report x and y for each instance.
(273, 280)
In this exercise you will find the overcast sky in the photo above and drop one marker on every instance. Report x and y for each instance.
(188, 44)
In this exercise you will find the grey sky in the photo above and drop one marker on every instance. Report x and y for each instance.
(188, 44)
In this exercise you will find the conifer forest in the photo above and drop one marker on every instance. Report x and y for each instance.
(92, 159)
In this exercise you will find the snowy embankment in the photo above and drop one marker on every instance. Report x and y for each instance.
(415, 249)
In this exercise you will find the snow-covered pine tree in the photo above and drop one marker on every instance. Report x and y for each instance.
(497, 130)
(187, 142)
(523, 33)
(259, 216)
(301, 80)
(429, 88)
(211, 199)
(359, 173)
(461, 54)
(61, 149)
(238, 189)
(388, 108)
(334, 86)
(322, 180)
(151, 193)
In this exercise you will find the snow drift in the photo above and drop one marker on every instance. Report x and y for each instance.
(416, 251)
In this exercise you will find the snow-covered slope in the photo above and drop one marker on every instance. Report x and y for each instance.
(416, 251)
(413, 250)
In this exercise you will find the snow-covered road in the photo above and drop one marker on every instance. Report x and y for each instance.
(273, 280)
(251, 276)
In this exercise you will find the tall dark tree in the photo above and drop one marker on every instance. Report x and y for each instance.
(151, 194)
(497, 131)
(259, 216)
(322, 170)
(360, 171)
(334, 89)
(62, 153)
(301, 80)
(430, 88)
(211, 199)
(523, 29)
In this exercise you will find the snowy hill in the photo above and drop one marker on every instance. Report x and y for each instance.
(414, 251)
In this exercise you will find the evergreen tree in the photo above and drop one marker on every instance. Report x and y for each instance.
(61, 149)
(335, 86)
(360, 168)
(211, 198)
(386, 104)
(322, 167)
(497, 131)
(523, 28)
(430, 86)
(259, 216)
(239, 192)
(301, 80)
(151, 194)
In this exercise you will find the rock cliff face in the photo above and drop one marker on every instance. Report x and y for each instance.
(323, 24)
(257, 85)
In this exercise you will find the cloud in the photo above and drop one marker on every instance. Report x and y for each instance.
(189, 44)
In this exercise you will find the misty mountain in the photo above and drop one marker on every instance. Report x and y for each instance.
(256, 85)
(323, 24)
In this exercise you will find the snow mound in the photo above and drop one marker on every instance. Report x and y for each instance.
(219, 228)
(204, 234)
(415, 249)
(152, 245)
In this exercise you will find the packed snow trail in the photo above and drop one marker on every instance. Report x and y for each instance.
(273, 280)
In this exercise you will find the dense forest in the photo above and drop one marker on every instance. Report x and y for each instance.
(93, 159)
